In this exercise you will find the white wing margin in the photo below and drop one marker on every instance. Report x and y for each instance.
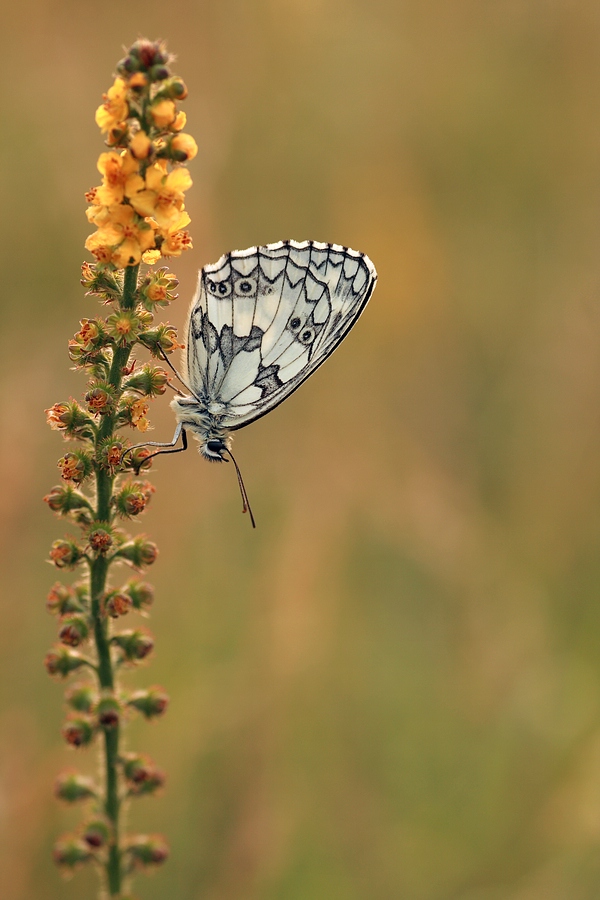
(266, 318)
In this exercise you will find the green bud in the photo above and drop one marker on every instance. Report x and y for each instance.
(62, 660)
(62, 599)
(96, 833)
(73, 787)
(70, 852)
(78, 731)
(74, 629)
(65, 554)
(81, 697)
(139, 552)
(141, 774)
(134, 645)
(147, 850)
(151, 702)
(141, 593)
(108, 712)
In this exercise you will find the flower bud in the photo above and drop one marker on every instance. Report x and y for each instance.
(148, 53)
(61, 661)
(141, 774)
(147, 850)
(72, 787)
(140, 145)
(182, 147)
(110, 455)
(108, 712)
(127, 65)
(150, 381)
(133, 498)
(151, 703)
(139, 552)
(81, 697)
(141, 593)
(158, 289)
(124, 327)
(95, 361)
(162, 338)
(99, 281)
(91, 333)
(65, 554)
(137, 82)
(134, 645)
(117, 604)
(100, 399)
(133, 412)
(96, 833)
(64, 500)
(75, 466)
(62, 599)
(78, 731)
(71, 419)
(139, 459)
(70, 852)
(159, 73)
(174, 88)
(74, 630)
(163, 112)
(100, 540)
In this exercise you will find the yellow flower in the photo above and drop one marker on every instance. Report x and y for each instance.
(138, 412)
(88, 334)
(163, 195)
(121, 176)
(175, 239)
(163, 113)
(115, 108)
(124, 235)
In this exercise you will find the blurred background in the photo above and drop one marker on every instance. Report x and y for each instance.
(390, 690)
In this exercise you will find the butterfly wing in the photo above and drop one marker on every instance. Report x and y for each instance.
(265, 318)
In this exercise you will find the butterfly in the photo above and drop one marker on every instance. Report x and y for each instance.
(261, 322)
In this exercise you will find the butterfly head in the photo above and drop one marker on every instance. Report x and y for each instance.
(213, 449)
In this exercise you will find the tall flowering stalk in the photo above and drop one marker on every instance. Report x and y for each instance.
(139, 215)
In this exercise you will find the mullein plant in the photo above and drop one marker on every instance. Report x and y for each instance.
(139, 216)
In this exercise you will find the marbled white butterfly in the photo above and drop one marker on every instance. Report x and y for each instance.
(262, 320)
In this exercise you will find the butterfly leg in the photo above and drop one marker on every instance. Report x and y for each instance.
(169, 446)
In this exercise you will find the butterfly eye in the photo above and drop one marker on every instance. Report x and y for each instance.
(245, 287)
(307, 336)
(294, 323)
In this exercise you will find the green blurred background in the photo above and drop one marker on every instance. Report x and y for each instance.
(390, 690)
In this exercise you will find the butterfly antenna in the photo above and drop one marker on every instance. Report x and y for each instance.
(245, 502)
(173, 369)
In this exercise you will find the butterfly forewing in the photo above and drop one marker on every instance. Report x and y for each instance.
(265, 318)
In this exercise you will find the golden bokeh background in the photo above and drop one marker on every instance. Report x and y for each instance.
(391, 690)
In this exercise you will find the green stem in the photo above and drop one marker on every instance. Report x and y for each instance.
(98, 576)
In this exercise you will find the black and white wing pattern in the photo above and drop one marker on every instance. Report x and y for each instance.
(264, 319)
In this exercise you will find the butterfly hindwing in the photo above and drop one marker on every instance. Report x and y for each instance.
(265, 318)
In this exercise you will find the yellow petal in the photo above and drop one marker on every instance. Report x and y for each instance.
(144, 202)
(154, 177)
(134, 184)
(150, 257)
(179, 179)
(127, 254)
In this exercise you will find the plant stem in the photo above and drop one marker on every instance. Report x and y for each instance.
(98, 575)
